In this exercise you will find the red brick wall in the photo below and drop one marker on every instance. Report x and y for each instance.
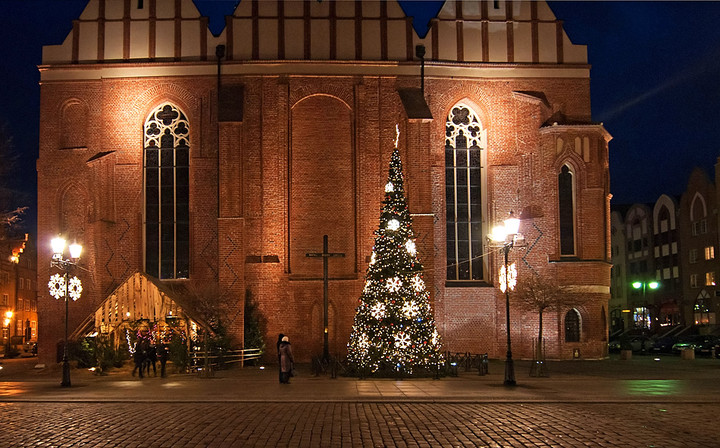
(310, 158)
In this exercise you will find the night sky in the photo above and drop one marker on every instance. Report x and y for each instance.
(654, 82)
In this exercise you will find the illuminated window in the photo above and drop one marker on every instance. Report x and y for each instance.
(463, 181)
(709, 279)
(641, 316)
(710, 253)
(566, 204)
(166, 163)
(572, 326)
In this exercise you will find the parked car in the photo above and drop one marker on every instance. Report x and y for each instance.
(28, 350)
(664, 344)
(701, 344)
(637, 343)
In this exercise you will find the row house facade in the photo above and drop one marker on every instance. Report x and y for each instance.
(18, 292)
(665, 264)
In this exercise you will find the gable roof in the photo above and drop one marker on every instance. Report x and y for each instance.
(140, 297)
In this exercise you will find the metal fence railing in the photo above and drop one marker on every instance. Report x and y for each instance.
(206, 364)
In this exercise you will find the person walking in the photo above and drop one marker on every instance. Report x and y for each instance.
(151, 359)
(141, 348)
(279, 341)
(163, 354)
(286, 360)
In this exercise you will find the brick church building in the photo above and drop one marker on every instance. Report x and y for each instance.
(185, 158)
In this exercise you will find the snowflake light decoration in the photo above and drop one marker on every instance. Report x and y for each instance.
(363, 342)
(373, 258)
(417, 283)
(509, 280)
(378, 311)
(393, 284)
(410, 246)
(57, 286)
(393, 224)
(410, 309)
(435, 337)
(74, 288)
(389, 187)
(402, 339)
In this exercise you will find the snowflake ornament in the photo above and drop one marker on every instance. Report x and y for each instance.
(363, 342)
(378, 311)
(393, 284)
(417, 283)
(389, 187)
(373, 259)
(402, 339)
(74, 288)
(57, 286)
(393, 224)
(410, 246)
(410, 309)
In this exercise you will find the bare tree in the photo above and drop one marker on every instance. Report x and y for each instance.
(536, 293)
(10, 212)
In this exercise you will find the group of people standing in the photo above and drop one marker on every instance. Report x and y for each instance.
(147, 353)
(286, 362)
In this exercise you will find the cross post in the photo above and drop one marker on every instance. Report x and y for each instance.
(325, 255)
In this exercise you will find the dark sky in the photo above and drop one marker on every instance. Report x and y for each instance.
(654, 81)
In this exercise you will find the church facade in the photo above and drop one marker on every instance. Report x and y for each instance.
(195, 159)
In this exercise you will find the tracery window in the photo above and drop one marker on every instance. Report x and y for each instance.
(166, 166)
(463, 146)
(566, 206)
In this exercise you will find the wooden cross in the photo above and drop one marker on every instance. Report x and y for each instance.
(325, 255)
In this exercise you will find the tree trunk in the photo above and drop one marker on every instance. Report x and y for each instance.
(539, 356)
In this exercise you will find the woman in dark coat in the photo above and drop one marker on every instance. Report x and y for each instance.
(280, 338)
(286, 360)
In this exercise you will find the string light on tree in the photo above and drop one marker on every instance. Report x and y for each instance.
(394, 330)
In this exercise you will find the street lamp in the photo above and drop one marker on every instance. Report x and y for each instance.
(643, 286)
(506, 237)
(68, 288)
(6, 325)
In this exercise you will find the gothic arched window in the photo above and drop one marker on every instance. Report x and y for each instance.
(572, 326)
(167, 193)
(463, 194)
(566, 207)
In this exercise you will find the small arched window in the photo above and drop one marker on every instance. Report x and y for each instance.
(167, 193)
(566, 208)
(572, 326)
(463, 194)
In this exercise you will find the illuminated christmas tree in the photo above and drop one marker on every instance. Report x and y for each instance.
(394, 330)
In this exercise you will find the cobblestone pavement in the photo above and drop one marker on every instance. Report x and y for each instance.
(32, 424)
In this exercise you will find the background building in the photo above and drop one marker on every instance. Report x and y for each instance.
(680, 257)
(200, 159)
(18, 292)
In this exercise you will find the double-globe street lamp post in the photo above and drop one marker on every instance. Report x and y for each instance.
(65, 287)
(644, 286)
(506, 237)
